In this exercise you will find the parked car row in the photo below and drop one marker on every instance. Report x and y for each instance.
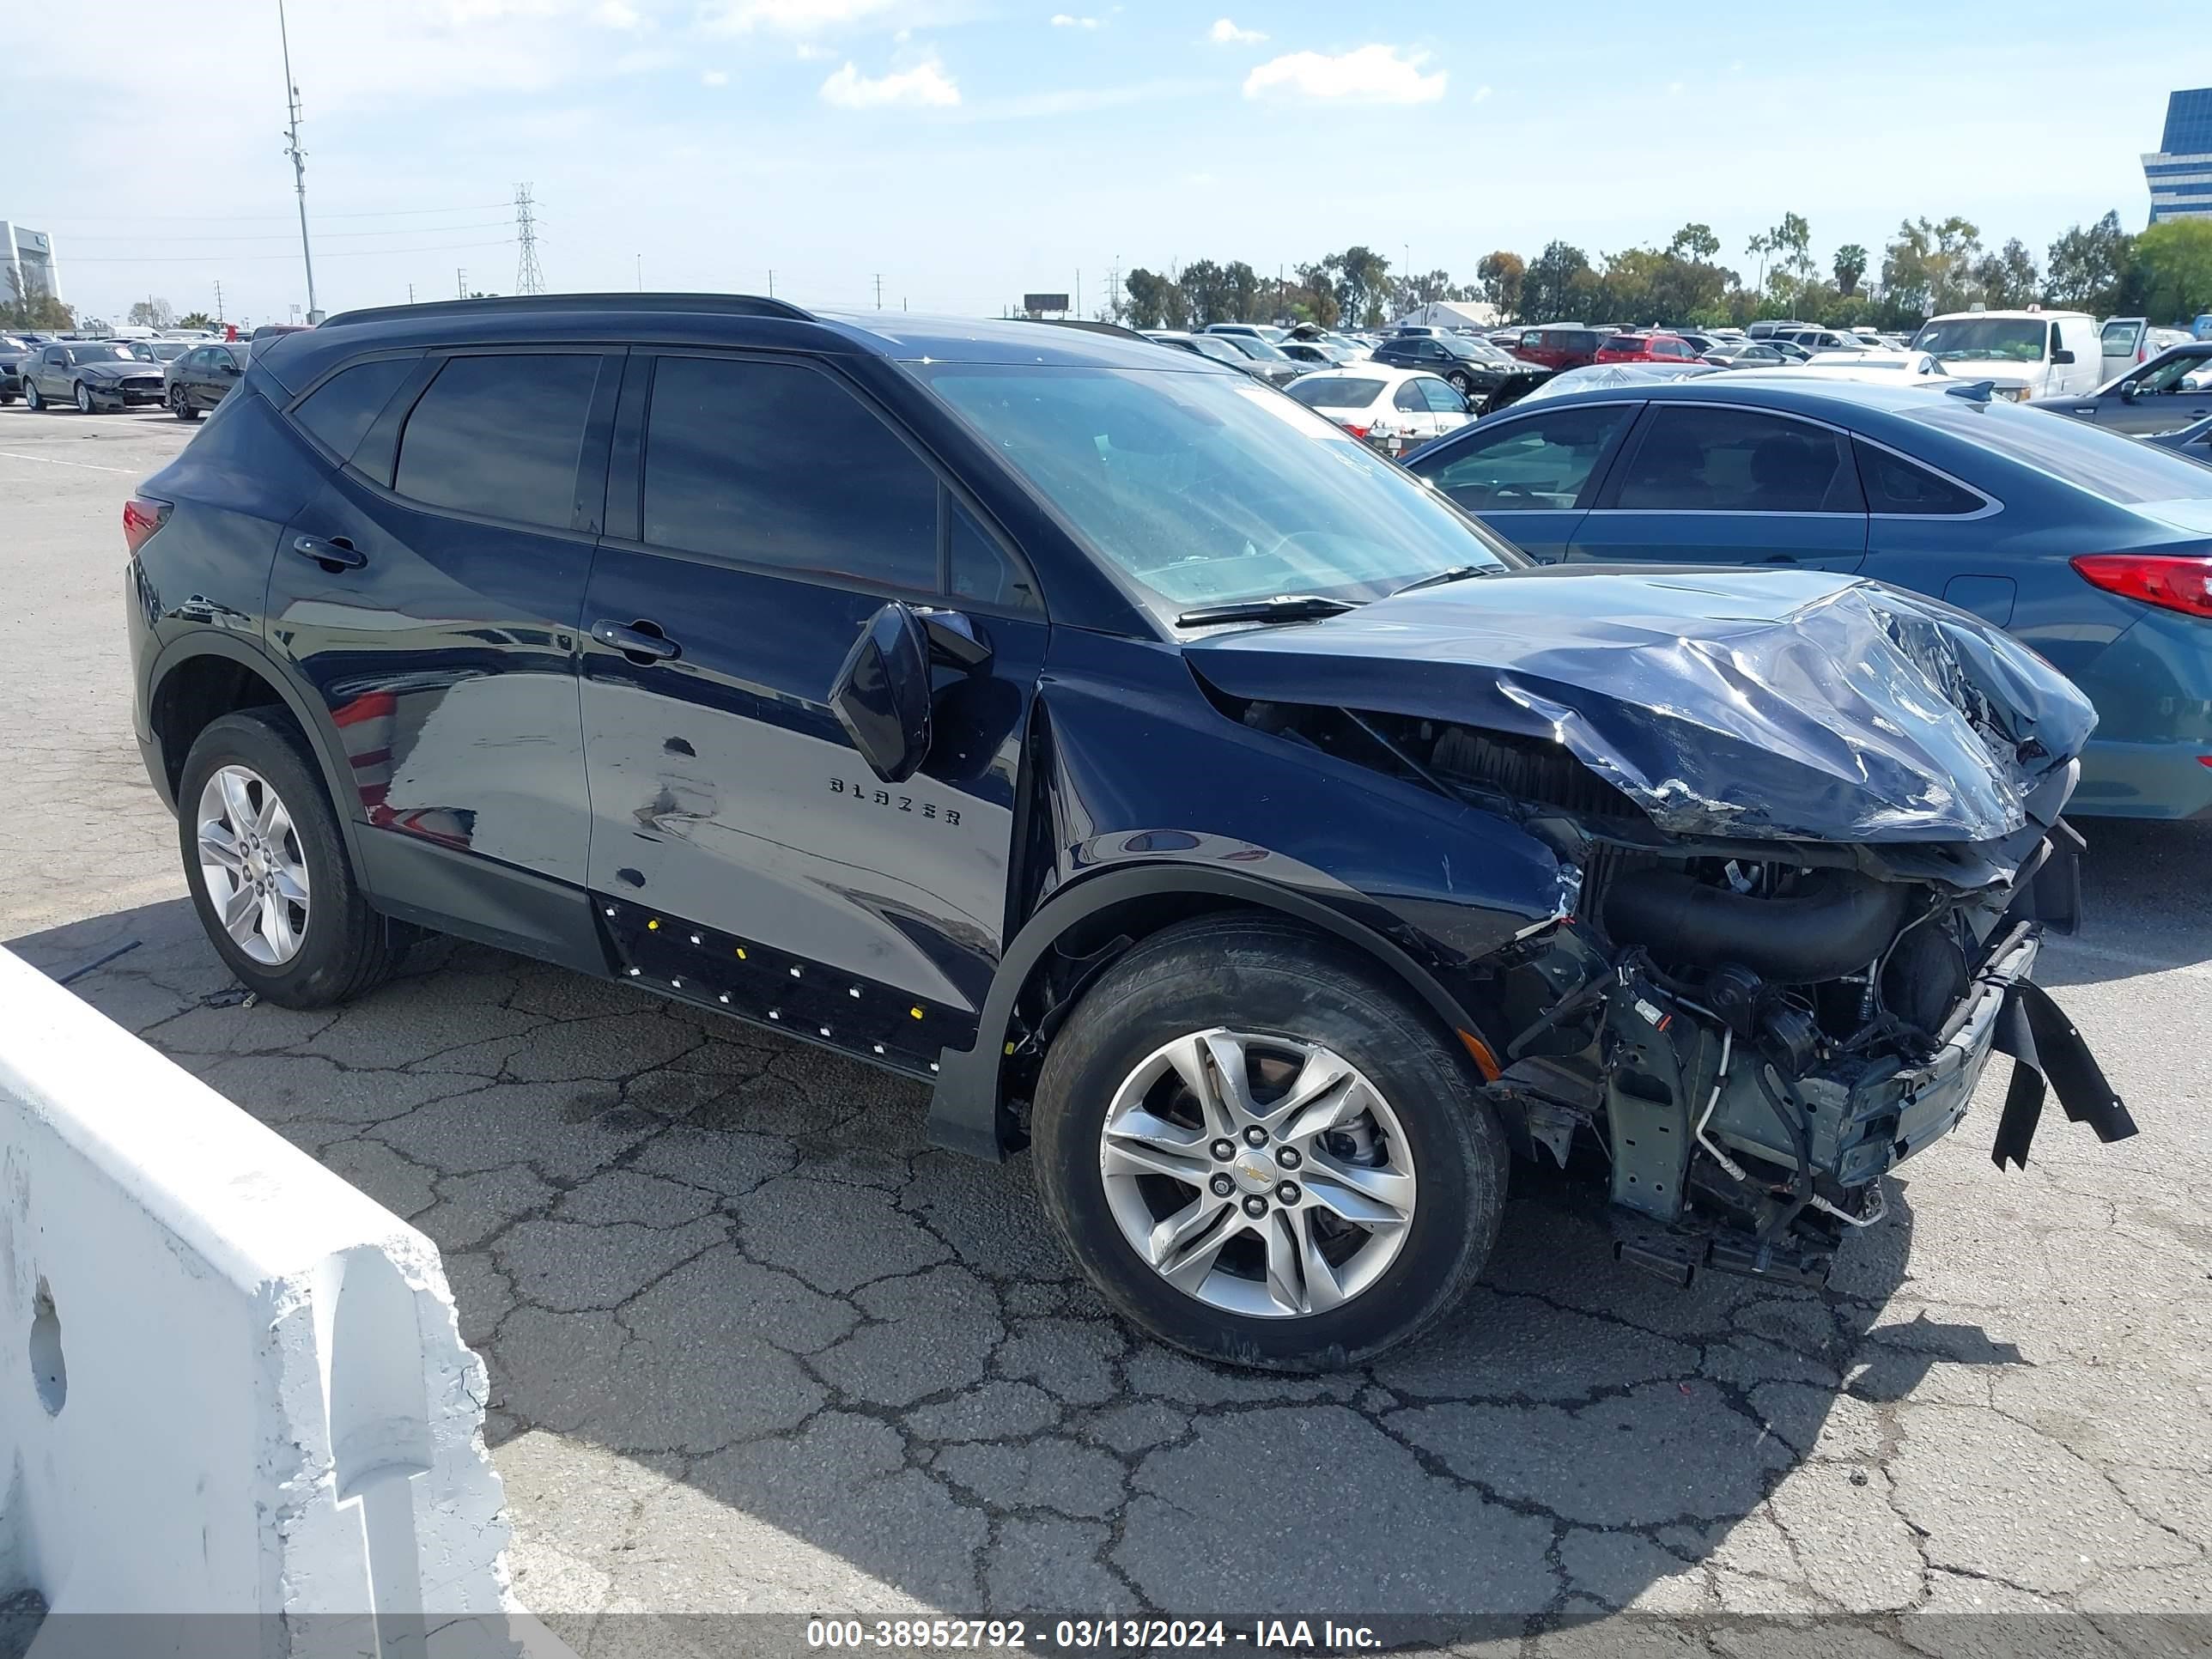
(186, 377)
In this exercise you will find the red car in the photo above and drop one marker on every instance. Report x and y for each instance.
(1647, 348)
(1559, 345)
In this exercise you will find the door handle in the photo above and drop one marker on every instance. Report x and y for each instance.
(334, 554)
(641, 642)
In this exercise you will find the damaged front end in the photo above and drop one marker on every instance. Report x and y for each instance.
(1808, 852)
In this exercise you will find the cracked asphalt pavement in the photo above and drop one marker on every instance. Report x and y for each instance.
(754, 1348)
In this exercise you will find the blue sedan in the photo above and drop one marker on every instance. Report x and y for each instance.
(2094, 548)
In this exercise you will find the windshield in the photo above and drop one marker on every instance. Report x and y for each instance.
(1253, 348)
(2001, 339)
(99, 351)
(1216, 346)
(1206, 488)
(1334, 391)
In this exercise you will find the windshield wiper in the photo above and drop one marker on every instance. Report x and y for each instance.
(1283, 607)
(1437, 578)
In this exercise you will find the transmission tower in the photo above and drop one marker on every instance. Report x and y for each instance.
(528, 278)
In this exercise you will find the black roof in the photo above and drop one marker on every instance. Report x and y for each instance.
(294, 359)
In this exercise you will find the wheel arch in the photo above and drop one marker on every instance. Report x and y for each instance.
(199, 678)
(969, 1112)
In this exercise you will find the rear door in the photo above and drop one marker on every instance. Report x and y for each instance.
(760, 510)
(431, 593)
(1714, 483)
(1529, 477)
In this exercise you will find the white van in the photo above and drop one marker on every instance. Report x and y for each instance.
(2030, 355)
(2131, 341)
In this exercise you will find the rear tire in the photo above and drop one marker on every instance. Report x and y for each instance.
(1266, 994)
(180, 405)
(327, 946)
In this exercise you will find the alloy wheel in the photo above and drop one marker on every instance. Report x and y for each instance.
(1263, 1175)
(83, 399)
(251, 862)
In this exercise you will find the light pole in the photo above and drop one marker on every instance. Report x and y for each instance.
(298, 158)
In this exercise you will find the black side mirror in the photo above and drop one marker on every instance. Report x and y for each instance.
(2127, 391)
(881, 695)
(2062, 356)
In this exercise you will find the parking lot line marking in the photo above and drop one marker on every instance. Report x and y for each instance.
(90, 467)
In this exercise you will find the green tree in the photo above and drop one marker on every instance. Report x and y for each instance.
(1240, 287)
(40, 310)
(1558, 285)
(1793, 241)
(1927, 266)
(1499, 276)
(1851, 265)
(2174, 262)
(1205, 283)
(1362, 283)
(2008, 278)
(1695, 243)
(1315, 301)
(197, 320)
(2089, 268)
(152, 312)
(1148, 298)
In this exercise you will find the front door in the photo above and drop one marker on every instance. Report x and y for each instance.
(2168, 395)
(1708, 483)
(760, 510)
(1528, 476)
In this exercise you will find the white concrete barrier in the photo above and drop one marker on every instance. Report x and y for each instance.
(230, 1383)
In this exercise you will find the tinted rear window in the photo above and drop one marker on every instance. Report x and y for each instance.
(499, 436)
(1895, 484)
(1333, 393)
(2107, 464)
(340, 411)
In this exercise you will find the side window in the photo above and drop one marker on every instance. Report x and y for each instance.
(1531, 340)
(1541, 462)
(1697, 459)
(339, 412)
(1443, 399)
(500, 435)
(1895, 484)
(980, 569)
(774, 464)
(1408, 398)
(56, 358)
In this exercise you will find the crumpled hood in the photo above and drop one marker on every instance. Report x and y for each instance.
(1794, 705)
(114, 371)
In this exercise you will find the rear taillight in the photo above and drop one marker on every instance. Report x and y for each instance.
(2172, 581)
(142, 516)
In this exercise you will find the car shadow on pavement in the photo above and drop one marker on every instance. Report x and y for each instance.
(755, 1345)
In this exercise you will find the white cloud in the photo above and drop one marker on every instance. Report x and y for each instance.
(1371, 75)
(1673, 88)
(616, 15)
(925, 86)
(1061, 20)
(787, 16)
(809, 52)
(1481, 93)
(714, 78)
(1226, 33)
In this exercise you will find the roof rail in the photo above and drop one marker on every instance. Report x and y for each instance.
(1087, 326)
(725, 305)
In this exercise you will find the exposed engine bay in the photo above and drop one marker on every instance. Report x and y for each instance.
(1746, 1035)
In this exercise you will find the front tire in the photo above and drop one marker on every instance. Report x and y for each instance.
(267, 862)
(84, 404)
(1262, 1151)
(32, 400)
(1462, 384)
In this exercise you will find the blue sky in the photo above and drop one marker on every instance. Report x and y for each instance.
(970, 150)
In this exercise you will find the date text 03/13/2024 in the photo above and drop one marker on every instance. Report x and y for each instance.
(1082, 1635)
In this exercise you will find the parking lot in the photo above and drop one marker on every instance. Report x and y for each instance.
(754, 1348)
